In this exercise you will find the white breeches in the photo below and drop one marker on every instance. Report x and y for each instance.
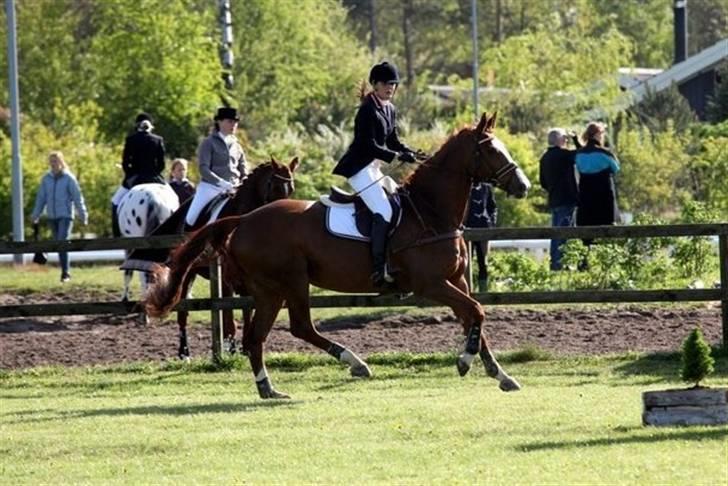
(120, 193)
(368, 184)
(204, 194)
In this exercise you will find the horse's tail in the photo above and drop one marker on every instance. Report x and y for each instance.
(171, 280)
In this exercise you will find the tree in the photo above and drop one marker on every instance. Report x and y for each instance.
(659, 110)
(697, 363)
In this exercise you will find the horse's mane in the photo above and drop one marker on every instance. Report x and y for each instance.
(437, 159)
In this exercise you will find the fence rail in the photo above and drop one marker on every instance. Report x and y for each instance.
(369, 300)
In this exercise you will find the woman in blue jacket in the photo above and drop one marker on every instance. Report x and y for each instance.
(59, 192)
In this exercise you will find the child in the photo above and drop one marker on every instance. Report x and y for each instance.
(179, 182)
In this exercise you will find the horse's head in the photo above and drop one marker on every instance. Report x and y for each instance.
(273, 180)
(493, 163)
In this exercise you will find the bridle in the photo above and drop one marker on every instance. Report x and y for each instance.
(269, 185)
(501, 175)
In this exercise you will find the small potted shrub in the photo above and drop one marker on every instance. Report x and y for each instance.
(697, 405)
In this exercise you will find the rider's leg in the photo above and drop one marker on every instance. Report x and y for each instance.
(204, 194)
(367, 183)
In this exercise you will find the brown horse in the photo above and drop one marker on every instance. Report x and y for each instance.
(277, 251)
(266, 183)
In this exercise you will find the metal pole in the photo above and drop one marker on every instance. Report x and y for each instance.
(226, 48)
(474, 22)
(17, 166)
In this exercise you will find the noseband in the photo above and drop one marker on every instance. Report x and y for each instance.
(502, 173)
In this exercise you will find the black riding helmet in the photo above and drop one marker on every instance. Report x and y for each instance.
(384, 72)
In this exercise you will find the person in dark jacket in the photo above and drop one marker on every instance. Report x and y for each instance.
(597, 195)
(482, 213)
(375, 141)
(179, 182)
(58, 194)
(596, 166)
(142, 161)
(557, 175)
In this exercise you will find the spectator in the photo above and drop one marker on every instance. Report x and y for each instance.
(58, 193)
(179, 182)
(142, 162)
(557, 176)
(482, 213)
(221, 161)
(597, 194)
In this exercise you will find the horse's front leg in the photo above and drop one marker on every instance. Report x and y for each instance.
(470, 312)
(183, 352)
(128, 274)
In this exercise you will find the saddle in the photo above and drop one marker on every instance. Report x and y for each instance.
(347, 216)
(209, 212)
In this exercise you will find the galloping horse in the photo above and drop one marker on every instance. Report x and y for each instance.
(277, 251)
(267, 182)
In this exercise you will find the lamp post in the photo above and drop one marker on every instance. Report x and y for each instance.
(17, 166)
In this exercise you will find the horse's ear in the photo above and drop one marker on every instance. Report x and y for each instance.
(482, 123)
(274, 162)
(491, 122)
(294, 164)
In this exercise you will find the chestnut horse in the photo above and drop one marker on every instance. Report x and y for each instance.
(277, 251)
(267, 182)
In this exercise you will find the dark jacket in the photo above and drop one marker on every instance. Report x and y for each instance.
(557, 177)
(143, 159)
(597, 193)
(482, 210)
(184, 189)
(375, 137)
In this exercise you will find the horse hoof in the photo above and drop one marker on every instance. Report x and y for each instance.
(184, 357)
(509, 384)
(274, 394)
(361, 371)
(463, 367)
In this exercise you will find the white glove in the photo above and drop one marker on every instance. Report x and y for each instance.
(225, 185)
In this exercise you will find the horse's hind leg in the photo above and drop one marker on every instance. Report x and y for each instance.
(183, 352)
(301, 326)
(267, 307)
(228, 323)
(128, 274)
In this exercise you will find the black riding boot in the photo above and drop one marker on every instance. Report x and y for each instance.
(115, 229)
(379, 251)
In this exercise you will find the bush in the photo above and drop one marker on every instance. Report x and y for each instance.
(697, 363)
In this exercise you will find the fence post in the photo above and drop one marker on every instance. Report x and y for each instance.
(723, 261)
(216, 315)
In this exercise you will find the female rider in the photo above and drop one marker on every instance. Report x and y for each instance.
(375, 141)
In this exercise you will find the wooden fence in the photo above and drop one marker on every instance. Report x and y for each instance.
(216, 303)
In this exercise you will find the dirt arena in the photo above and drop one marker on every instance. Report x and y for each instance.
(86, 340)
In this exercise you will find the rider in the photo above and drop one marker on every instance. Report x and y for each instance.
(375, 141)
(221, 162)
(142, 161)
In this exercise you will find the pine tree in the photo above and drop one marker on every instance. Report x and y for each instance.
(697, 363)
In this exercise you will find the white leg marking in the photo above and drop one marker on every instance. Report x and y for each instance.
(467, 358)
(262, 374)
(350, 358)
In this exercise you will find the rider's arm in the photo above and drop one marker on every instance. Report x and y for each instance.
(365, 134)
(204, 161)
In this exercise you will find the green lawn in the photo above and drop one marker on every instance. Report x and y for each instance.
(577, 421)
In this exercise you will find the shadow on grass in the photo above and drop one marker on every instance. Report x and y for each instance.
(176, 410)
(666, 366)
(701, 434)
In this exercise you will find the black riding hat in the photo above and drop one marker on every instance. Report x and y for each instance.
(226, 113)
(143, 116)
(384, 72)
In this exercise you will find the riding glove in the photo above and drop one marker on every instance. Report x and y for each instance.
(406, 157)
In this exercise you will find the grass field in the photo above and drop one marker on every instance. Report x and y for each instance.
(577, 421)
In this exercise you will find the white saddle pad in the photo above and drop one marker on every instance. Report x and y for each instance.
(340, 221)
